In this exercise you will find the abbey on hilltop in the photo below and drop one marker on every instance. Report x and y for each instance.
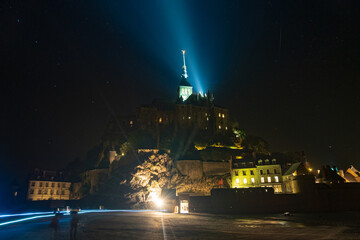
(190, 109)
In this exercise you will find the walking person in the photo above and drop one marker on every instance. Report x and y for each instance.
(74, 224)
(54, 225)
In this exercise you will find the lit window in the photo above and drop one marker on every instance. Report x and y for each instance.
(260, 162)
(269, 179)
(245, 181)
(207, 119)
(252, 180)
(223, 115)
(131, 122)
(189, 117)
(219, 114)
(276, 179)
(262, 179)
(237, 180)
(225, 128)
(219, 127)
(160, 120)
(205, 114)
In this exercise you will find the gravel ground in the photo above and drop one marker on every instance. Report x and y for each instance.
(157, 225)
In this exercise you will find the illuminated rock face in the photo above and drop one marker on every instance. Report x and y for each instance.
(159, 172)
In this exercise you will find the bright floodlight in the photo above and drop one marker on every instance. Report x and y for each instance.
(159, 202)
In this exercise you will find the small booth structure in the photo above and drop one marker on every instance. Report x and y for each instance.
(184, 203)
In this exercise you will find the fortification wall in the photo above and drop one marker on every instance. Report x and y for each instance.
(196, 169)
(94, 178)
(191, 168)
(215, 168)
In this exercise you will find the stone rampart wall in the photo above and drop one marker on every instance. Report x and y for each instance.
(197, 169)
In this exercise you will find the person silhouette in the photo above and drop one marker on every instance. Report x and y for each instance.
(54, 225)
(74, 224)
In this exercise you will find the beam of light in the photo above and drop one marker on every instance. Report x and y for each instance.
(25, 219)
(167, 27)
(163, 227)
(114, 210)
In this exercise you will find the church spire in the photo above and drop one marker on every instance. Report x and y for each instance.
(184, 66)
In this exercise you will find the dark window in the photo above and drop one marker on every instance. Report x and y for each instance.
(62, 192)
(39, 192)
(58, 184)
(251, 172)
(275, 171)
(236, 173)
(261, 172)
(47, 184)
(268, 171)
(53, 184)
(244, 173)
(40, 184)
(31, 191)
(32, 184)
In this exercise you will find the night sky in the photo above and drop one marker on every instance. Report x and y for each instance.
(288, 71)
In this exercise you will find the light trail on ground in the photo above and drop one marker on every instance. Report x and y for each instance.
(25, 219)
(23, 214)
(65, 213)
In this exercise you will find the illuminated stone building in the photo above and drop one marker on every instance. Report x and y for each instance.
(298, 178)
(48, 185)
(351, 174)
(189, 110)
(246, 173)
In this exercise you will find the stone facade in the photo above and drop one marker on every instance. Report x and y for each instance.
(247, 173)
(48, 190)
(48, 185)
